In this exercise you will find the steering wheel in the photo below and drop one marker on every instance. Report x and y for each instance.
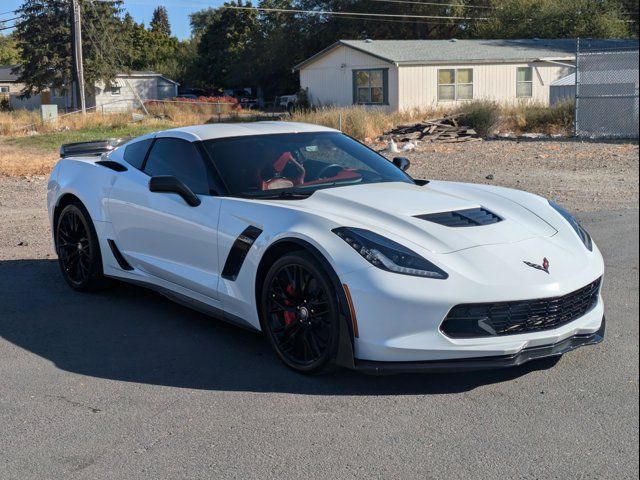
(327, 172)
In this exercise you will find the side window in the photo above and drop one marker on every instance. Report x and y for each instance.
(173, 156)
(134, 154)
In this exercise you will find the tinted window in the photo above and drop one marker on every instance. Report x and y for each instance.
(304, 162)
(134, 154)
(172, 156)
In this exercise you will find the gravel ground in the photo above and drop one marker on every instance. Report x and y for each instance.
(126, 384)
(584, 176)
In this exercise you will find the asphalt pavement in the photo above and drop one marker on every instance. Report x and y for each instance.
(126, 384)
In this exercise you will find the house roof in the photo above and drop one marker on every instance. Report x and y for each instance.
(567, 81)
(145, 73)
(417, 52)
(6, 75)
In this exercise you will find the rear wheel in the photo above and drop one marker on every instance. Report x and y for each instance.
(300, 313)
(78, 249)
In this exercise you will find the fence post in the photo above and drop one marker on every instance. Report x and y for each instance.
(340, 120)
(577, 82)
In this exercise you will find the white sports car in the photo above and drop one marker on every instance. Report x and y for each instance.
(337, 254)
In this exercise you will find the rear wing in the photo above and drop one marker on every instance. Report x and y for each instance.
(95, 147)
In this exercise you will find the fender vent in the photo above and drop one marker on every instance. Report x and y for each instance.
(118, 256)
(472, 217)
(239, 251)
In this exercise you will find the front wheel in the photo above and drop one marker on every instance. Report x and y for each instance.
(300, 313)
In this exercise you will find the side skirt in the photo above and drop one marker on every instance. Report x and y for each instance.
(193, 304)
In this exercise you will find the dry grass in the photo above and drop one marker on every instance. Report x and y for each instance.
(487, 117)
(362, 122)
(18, 161)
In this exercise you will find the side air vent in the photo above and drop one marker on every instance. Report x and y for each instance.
(472, 217)
(118, 167)
(118, 256)
(239, 251)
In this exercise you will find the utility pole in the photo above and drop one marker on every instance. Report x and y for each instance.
(76, 41)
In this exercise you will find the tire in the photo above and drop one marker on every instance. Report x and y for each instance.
(300, 313)
(78, 249)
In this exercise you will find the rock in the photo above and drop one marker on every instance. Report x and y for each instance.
(23, 244)
(490, 177)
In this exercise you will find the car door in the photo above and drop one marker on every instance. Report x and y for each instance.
(159, 232)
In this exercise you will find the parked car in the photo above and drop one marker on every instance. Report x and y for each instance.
(286, 101)
(336, 254)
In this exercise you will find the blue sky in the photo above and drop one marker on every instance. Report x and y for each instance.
(142, 10)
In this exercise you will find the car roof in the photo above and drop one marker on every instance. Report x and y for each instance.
(224, 130)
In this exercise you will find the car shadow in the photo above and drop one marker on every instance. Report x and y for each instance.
(132, 334)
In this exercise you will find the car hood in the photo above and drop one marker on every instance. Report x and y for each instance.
(392, 209)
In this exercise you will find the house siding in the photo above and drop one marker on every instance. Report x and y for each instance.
(329, 79)
(147, 88)
(418, 85)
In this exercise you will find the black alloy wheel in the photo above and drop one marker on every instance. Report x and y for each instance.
(78, 249)
(300, 313)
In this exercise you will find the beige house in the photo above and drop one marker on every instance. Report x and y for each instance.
(124, 94)
(408, 74)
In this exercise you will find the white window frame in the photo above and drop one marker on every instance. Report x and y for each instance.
(4, 89)
(455, 85)
(519, 82)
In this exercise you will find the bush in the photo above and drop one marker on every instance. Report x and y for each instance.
(544, 119)
(482, 115)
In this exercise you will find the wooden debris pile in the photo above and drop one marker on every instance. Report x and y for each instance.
(447, 129)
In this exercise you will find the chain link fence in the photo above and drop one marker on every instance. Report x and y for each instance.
(606, 93)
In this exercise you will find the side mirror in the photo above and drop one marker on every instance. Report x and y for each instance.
(402, 163)
(170, 184)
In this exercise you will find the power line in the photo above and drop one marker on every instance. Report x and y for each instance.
(432, 4)
(11, 19)
(361, 14)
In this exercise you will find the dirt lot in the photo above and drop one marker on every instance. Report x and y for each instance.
(583, 176)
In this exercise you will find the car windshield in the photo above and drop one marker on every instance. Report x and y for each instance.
(294, 165)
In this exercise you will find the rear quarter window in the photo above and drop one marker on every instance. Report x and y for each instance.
(135, 153)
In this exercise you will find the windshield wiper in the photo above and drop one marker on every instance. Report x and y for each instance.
(290, 194)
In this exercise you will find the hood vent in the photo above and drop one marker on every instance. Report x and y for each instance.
(472, 217)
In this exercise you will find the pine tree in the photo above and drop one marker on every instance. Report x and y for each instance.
(44, 39)
(160, 22)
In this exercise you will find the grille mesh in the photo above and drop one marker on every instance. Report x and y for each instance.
(472, 217)
(508, 318)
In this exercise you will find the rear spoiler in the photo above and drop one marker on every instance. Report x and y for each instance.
(95, 147)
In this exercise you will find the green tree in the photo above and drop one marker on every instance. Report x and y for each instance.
(555, 19)
(44, 39)
(160, 22)
(9, 53)
(227, 48)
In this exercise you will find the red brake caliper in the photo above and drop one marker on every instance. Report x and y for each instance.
(289, 317)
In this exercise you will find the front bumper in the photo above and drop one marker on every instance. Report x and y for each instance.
(483, 363)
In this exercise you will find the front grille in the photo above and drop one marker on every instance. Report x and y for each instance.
(509, 318)
(472, 217)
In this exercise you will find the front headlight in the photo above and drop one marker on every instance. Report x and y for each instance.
(387, 254)
(581, 232)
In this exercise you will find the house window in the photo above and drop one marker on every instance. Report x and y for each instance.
(524, 82)
(115, 91)
(4, 89)
(370, 87)
(455, 84)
